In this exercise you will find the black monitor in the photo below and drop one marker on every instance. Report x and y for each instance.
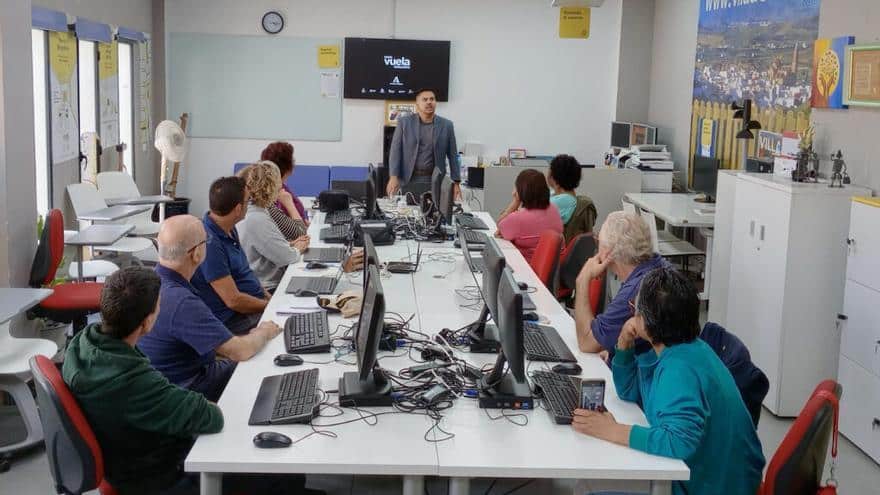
(484, 336)
(508, 389)
(367, 386)
(442, 195)
(706, 176)
(370, 200)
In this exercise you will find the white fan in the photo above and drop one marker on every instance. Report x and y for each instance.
(171, 143)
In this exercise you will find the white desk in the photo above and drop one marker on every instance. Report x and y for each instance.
(678, 210)
(140, 200)
(113, 213)
(96, 235)
(14, 301)
(397, 444)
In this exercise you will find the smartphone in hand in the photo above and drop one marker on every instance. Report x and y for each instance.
(593, 395)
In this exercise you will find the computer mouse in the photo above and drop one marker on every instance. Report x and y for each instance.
(522, 285)
(529, 316)
(567, 368)
(305, 293)
(466, 214)
(288, 360)
(271, 440)
(315, 265)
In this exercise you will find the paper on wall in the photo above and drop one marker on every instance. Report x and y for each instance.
(108, 84)
(330, 84)
(64, 115)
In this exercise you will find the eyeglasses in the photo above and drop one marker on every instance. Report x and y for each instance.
(206, 242)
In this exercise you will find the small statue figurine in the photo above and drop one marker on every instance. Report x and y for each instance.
(838, 170)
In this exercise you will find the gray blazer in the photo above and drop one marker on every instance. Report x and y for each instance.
(405, 147)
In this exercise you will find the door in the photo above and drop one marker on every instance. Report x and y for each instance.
(864, 243)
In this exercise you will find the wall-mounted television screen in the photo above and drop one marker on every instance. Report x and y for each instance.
(393, 69)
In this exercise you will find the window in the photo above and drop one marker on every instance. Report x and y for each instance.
(41, 123)
(88, 88)
(126, 102)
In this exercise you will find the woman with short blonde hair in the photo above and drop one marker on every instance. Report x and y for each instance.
(290, 228)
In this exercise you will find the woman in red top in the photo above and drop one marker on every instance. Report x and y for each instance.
(529, 213)
(281, 154)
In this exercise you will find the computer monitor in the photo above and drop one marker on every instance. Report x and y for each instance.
(447, 199)
(371, 258)
(367, 386)
(620, 134)
(370, 200)
(706, 177)
(509, 389)
(484, 336)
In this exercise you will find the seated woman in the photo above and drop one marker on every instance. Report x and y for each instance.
(281, 154)
(578, 212)
(267, 251)
(529, 213)
(694, 410)
(625, 249)
(290, 228)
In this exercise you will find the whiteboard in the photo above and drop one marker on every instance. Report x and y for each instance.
(251, 87)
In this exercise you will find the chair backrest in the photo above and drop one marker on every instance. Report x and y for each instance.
(85, 198)
(797, 465)
(344, 172)
(75, 458)
(545, 260)
(50, 250)
(597, 294)
(578, 250)
(117, 185)
(630, 208)
(651, 222)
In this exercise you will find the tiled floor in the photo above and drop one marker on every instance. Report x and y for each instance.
(856, 473)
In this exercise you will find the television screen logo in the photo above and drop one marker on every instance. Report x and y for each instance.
(398, 63)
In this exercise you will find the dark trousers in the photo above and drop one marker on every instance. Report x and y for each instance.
(240, 324)
(213, 379)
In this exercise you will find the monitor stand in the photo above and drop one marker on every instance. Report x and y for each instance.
(375, 391)
(483, 336)
(506, 394)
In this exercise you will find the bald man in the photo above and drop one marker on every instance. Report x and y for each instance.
(187, 336)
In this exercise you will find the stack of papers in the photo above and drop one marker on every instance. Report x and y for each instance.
(651, 157)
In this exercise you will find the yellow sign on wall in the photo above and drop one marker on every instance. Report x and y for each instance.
(62, 54)
(108, 65)
(328, 56)
(574, 22)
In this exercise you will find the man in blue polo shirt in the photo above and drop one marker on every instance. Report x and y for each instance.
(187, 336)
(225, 280)
(626, 250)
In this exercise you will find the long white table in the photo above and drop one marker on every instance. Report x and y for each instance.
(397, 444)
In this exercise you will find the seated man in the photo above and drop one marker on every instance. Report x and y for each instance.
(694, 409)
(187, 336)
(144, 424)
(625, 249)
(225, 280)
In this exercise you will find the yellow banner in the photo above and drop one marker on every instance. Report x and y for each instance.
(574, 22)
(328, 56)
(62, 55)
(108, 65)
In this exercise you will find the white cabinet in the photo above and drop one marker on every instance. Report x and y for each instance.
(786, 281)
(859, 372)
(719, 278)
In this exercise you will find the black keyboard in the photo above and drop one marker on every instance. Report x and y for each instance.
(336, 233)
(318, 285)
(338, 217)
(471, 222)
(473, 237)
(543, 343)
(286, 399)
(477, 265)
(560, 394)
(307, 333)
(324, 254)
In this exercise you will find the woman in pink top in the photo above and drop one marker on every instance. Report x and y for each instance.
(529, 213)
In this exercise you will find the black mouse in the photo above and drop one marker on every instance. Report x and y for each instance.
(567, 368)
(315, 265)
(522, 285)
(305, 293)
(531, 316)
(271, 440)
(288, 360)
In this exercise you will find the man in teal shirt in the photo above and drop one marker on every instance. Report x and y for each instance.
(694, 410)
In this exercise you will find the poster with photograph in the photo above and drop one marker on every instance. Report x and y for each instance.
(394, 110)
(108, 92)
(64, 97)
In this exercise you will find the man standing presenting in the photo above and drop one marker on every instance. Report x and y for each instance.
(421, 143)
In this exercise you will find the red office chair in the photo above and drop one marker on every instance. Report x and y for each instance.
(545, 260)
(797, 466)
(70, 302)
(75, 457)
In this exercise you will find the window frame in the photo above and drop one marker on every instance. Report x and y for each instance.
(47, 123)
(132, 98)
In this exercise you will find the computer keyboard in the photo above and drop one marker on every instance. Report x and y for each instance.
(473, 237)
(543, 343)
(306, 333)
(335, 233)
(560, 394)
(286, 399)
(338, 217)
(324, 254)
(318, 285)
(477, 265)
(471, 222)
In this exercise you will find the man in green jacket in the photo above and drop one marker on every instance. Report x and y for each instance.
(144, 424)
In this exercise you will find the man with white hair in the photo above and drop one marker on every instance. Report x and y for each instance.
(626, 250)
(187, 336)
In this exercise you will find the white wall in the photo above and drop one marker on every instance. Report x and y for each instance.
(672, 80)
(636, 58)
(512, 81)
